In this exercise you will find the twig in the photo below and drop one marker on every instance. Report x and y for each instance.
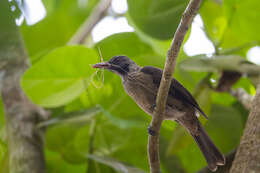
(153, 141)
(98, 13)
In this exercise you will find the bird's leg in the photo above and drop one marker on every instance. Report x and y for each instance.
(150, 131)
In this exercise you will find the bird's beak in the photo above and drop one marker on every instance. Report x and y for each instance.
(104, 65)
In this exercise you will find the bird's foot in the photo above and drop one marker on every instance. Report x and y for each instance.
(153, 106)
(150, 131)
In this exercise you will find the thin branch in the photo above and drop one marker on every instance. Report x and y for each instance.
(153, 141)
(98, 13)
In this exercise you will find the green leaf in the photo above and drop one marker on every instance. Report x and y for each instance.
(231, 23)
(81, 142)
(158, 19)
(245, 83)
(115, 164)
(60, 76)
(224, 99)
(215, 22)
(4, 162)
(179, 141)
(159, 46)
(55, 164)
(106, 140)
(60, 138)
(244, 17)
(3, 150)
(202, 93)
(225, 136)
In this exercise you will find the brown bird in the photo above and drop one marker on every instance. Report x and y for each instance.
(142, 83)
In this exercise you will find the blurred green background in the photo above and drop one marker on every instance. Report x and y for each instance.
(95, 126)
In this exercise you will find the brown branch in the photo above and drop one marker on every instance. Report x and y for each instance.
(155, 125)
(25, 142)
(97, 14)
(247, 158)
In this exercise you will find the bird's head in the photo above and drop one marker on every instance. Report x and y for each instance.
(120, 65)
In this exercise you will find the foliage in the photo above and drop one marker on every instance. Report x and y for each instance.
(94, 124)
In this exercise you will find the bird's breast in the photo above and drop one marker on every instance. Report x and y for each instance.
(142, 93)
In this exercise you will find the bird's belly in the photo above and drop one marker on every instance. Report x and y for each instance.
(142, 96)
(146, 99)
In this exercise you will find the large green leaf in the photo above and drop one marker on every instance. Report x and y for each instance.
(231, 23)
(244, 17)
(60, 76)
(159, 46)
(159, 19)
(214, 19)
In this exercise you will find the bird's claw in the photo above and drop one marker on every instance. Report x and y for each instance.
(150, 131)
(153, 106)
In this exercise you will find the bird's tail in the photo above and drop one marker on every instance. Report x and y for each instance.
(211, 153)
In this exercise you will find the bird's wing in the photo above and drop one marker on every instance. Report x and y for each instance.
(176, 89)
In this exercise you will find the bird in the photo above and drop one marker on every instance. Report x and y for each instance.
(142, 84)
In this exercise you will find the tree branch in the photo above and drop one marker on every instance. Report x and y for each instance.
(155, 125)
(25, 142)
(247, 158)
(97, 14)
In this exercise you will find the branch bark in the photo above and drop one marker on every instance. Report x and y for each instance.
(155, 125)
(97, 14)
(25, 142)
(247, 158)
